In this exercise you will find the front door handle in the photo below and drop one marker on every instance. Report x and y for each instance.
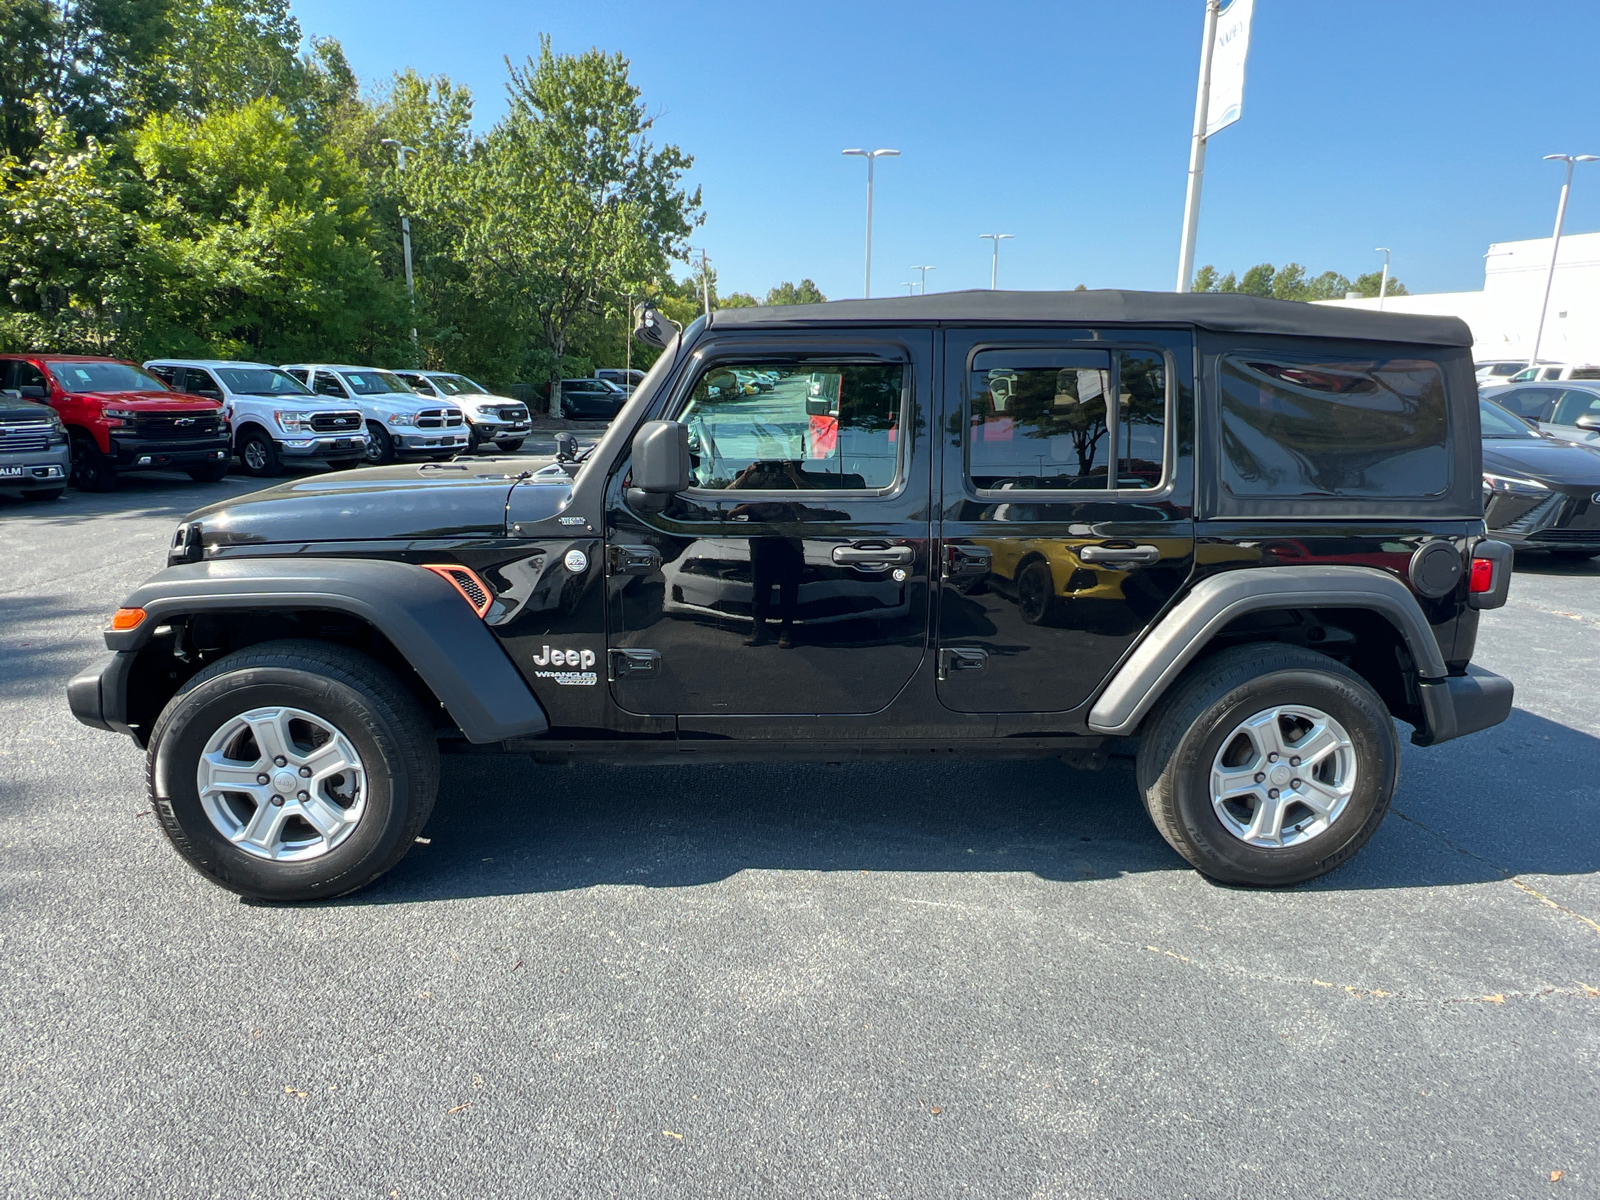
(626, 664)
(1120, 556)
(634, 560)
(873, 556)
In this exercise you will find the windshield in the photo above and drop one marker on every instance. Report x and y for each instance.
(456, 385)
(372, 383)
(261, 381)
(105, 377)
(1498, 423)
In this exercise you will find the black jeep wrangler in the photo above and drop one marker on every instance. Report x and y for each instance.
(1232, 537)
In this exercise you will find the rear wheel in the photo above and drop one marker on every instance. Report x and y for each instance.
(510, 445)
(91, 470)
(380, 446)
(294, 770)
(210, 473)
(1268, 765)
(258, 455)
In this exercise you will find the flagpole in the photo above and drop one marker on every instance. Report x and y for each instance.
(1197, 152)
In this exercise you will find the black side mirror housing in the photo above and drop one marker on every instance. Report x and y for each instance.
(660, 464)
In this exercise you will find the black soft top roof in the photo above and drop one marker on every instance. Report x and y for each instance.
(1226, 312)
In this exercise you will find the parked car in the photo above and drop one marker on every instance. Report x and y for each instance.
(1544, 373)
(1498, 371)
(1570, 412)
(490, 418)
(120, 418)
(272, 414)
(1539, 492)
(400, 423)
(590, 399)
(752, 593)
(34, 459)
(626, 379)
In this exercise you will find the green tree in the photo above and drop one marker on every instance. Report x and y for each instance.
(1205, 279)
(788, 293)
(569, 202)
(1367, 285)
(1228, 284)
(1258, 280)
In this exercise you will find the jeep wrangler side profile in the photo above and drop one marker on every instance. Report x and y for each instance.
(1232, 537)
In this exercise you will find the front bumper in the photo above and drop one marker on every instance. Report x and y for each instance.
(429, 441)
(1457, 705)
(350, 445)
(140, 454)
(98, 695)
(44, 469)
(492, 427)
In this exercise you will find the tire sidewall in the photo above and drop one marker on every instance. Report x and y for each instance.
(196, 715)
(1376, 749)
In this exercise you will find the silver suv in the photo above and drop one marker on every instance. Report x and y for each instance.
(490, 418)
(399, 421)
(34, 459)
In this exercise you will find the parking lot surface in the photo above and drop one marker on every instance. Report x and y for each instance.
(953, 980)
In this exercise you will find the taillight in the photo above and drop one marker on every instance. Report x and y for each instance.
(1482, 577)
(465, 580)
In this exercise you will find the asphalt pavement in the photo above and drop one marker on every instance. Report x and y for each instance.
(986, 980)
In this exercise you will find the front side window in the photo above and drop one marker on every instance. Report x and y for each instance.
(374, 383)
(812, 425)
(1066, 419)
(105, 377)
(1574, 404)
(1333, 427)
(261, 381)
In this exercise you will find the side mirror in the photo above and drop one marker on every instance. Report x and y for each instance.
(653, 327)
(1589, 421)
(33, 391)
(660, 464)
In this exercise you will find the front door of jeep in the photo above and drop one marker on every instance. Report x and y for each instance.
(793, 576)
(1066, 520)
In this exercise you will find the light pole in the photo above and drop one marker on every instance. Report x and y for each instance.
(924, 271)
(994, 265)
(401, 150)
(1383, 284)
(911, 288)
(1197, 151)
(705, 278)
(871, 156)
(1555, 243)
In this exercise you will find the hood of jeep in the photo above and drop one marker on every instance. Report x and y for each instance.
(404, 502)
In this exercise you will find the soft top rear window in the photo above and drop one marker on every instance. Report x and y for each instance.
(1334, 427)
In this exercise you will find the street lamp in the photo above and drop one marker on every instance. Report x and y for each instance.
(924, 271)
(871, 156)
(705, 278)
(1383, 284)
(994, 265)
(1555, 242)
(911, 288)
(401, 150)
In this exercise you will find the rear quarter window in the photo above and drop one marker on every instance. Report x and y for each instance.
(1333, 427)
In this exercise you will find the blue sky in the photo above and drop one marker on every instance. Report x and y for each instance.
(1416, 124)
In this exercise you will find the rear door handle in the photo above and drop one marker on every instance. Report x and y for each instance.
(1120, 556)
(873, 556)
(961, 658)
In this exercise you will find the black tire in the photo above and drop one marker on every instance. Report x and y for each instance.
(1037, 601)
(380, 446)
(91, 470)
(474, 440)
(54, 493)
(210, 473)
(510, 445)
(361, 699)
(1186, 732)
(258, 455)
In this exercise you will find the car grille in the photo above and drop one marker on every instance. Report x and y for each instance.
(514, 412)
(175, 426)
(336, 422)
(439, 418)
(12, 439)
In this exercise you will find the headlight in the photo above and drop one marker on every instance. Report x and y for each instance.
(294, 422)
(121, 414)
(403, 419)
(1512, 485)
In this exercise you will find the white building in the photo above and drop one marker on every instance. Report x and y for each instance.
(1505, 315)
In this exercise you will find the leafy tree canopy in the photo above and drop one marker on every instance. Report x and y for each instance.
(1291, 282)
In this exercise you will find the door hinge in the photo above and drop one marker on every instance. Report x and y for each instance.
(961, 658)
(629, 663)
(632, 560)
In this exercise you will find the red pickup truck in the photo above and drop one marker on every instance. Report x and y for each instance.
(122, 418)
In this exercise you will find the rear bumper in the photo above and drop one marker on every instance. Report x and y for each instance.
(1457, 705)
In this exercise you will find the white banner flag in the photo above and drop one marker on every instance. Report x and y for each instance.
(1227, 65)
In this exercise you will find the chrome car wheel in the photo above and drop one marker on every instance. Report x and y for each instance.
(282, 784)
(1283, 776)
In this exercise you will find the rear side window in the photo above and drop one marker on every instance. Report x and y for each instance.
(1585, 373)
(1066, 419)
(1531, 404)
(1574, 404)
(1333, 427)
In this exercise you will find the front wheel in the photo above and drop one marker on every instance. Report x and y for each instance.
(1268, 765)
(91, 470)
(510, 445)
(293, 770)
(210, 473)
(258, 455)
(380, 446)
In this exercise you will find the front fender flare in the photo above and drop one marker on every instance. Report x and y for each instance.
(1174, 641)
(423, 616)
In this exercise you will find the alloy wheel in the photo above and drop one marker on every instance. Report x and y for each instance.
(282, 784)
(1283, 776)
